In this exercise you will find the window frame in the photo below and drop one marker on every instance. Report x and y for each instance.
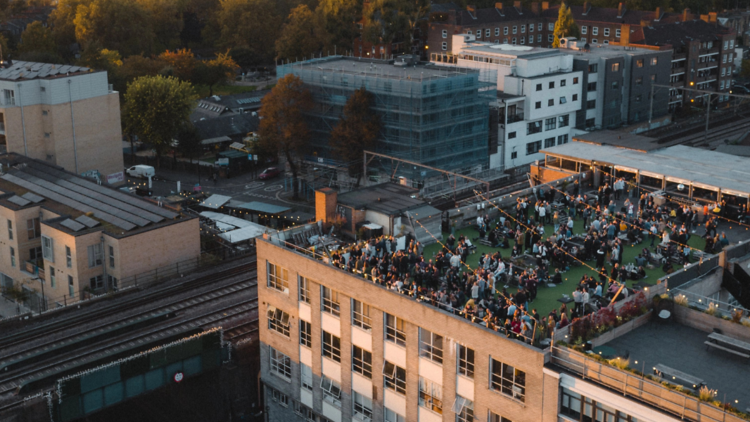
(331, 346)
(275, 280)
(360, 409)
(303, 289)
(430, 395)
(362, 361)
(507, 386)
(276, 321)
(306, 380)
(10, 226)
(305, 334)
(48, 250)
(395, 379)
(281, 364)
(431, 346)
(331, 390)
(395, 333)
(35, 230)
(330, 302)
(362, 317)
(465, 361)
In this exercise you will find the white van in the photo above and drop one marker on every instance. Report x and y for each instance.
(141, 171)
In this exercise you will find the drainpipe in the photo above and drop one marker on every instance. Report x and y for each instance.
(73, 125)
(23, 122)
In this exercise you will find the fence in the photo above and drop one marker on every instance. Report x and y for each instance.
(639, 387)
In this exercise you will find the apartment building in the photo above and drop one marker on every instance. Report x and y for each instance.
(336, 347)
(702, 57)
(738, 20)
(617, 83)
(74, 235)
(64, 115)
(539, 93)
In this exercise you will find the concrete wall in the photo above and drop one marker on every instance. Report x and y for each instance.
(706, 323)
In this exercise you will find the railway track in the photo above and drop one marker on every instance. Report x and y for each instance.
(717, 135)
(25, 335)
(242, 331)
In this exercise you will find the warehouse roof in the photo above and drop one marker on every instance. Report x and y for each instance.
(386, 198)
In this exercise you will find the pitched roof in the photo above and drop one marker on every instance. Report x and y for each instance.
(682, 33)
(492, 15)
(227, 125)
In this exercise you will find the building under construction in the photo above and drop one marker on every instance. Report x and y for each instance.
(431, 115)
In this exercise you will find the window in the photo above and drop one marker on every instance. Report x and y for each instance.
(513, 155)
(552, 85)
(12, 257)
(615, 67)
(584, 30)
(95, 255)
(539, 27)
(505, 30)
(278, 320)
(590, 104)
(35, 254)
(445, 33)
(487, 32)
(593, 68)
(304, 411)
(591, 86)
(71, 288)
(444, 45)
(731, 43)
(304, 289)
(638, 98)
(551, 26)
(430, 395)
(362, 406)
(68, 257)
(464, 409)
(515, 29)
(617, 33)
(508, 380)
(10, 227)
(391, 416)
(590, 123)
(538, 105)
(512, 135)
(653, 79)
(96, 282)
(531, 27)
(479, 33)
(606, 32)
(306, 376)
(639, 63)
(550, 124)
(523, 40)
(550, 38)
(497, 418)
(523, 29)
(331, 347)
(394, 330)
(533, 147)
(549, 142)
(33, 229)
(562, 139)
(551, 102)
(331, 389)
(52, 281)
(575, 97)
(281, 364)
(278, 277)
(394, 377)
(497, 32)
(279, 397)
(431, 346)
(330, 301)
(48, 251)
(563, 100)
(305, 333)
(10, 97)
(594, 30)
(639, 81)
(594, 41)
(362, 361)
(563, 121)
(465, 361)
(531, 39)
(534, 127)
(606, 42)
(615, 85)
(539, 37)
(361, 315)
(654, 61)
(513, 41)
(723, 71)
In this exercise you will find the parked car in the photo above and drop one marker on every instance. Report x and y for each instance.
(141, 170)
(269, 173)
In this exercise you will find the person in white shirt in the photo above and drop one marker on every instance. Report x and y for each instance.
(542, 213)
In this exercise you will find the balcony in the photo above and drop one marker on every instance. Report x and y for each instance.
(35, 268)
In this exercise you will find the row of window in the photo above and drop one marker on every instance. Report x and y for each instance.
(536, 146)
(551, 85)
(513, 40)
(506, 30)
(595, 31)
(551, 101)
(549, 124)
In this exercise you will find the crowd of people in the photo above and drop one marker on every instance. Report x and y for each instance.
(480, 291)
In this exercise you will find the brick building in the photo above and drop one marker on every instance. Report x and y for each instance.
(75, 235)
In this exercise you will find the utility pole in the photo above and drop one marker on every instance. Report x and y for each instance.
(708, 113)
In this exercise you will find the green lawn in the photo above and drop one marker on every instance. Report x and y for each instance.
(547, 297)
(204, 91)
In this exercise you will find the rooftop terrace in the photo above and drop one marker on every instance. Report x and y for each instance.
(377, 69)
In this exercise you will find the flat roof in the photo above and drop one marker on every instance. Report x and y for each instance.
(609, 50)
(619, 139)
(386, 198)
(260, 207)
(693, 165)
(379, 68)
(20, 70)
(512, 51)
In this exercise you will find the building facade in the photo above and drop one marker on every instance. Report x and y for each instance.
(49, 236)
(64, 115)
(429, 114)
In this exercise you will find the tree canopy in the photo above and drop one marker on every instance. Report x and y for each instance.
(356, 132)
(302, 35)
(565, 25)
(390, 20)
(121, 25)
(37, 38)
(253, 24)
(155, 109)
(283, 129)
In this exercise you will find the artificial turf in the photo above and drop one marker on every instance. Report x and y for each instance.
(546, 298)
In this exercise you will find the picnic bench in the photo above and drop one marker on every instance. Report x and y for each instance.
(728, 344)
(664, 371)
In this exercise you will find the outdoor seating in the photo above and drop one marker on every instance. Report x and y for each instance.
(670, 375)
(728, 344)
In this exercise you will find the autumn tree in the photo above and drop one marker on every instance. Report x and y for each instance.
(338, 19)
(565, 25)
(121, 25)
(356, 132)
(283, 128)
(390, 20)
(254, 24)
(302, 35)
(37, 38)
(182, 61)
(155, 109)
(166, 21)
(215, 72)
(62, 22)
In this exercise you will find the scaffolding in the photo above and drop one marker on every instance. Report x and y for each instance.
(433, 115)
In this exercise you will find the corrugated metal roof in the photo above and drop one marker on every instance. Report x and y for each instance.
(32, 70)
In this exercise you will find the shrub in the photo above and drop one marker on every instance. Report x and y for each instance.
(681, 300)
(619, 363)
(712, 308)
(737, 315)
(706, 394)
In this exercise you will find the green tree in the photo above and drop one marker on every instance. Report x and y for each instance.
(565, 25)
(356, 132)
(215, 72)
(254, 24)
(120, 25)
(283, 129)
(155, 108)
(62, 22)
(4, 46)
(389, 20)
(338, 19)
(302, 36)
(166, 20)
(36, 37)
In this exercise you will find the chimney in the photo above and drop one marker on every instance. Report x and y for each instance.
(535, 7)
(325, 204)
(657, 14)
(586, 7)
(620, 10)
(517, 5)
(711, 17)
(471, 8)
(499, 8)
(545, 5)
(645, 23)
(625, 35)
(686, 15)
